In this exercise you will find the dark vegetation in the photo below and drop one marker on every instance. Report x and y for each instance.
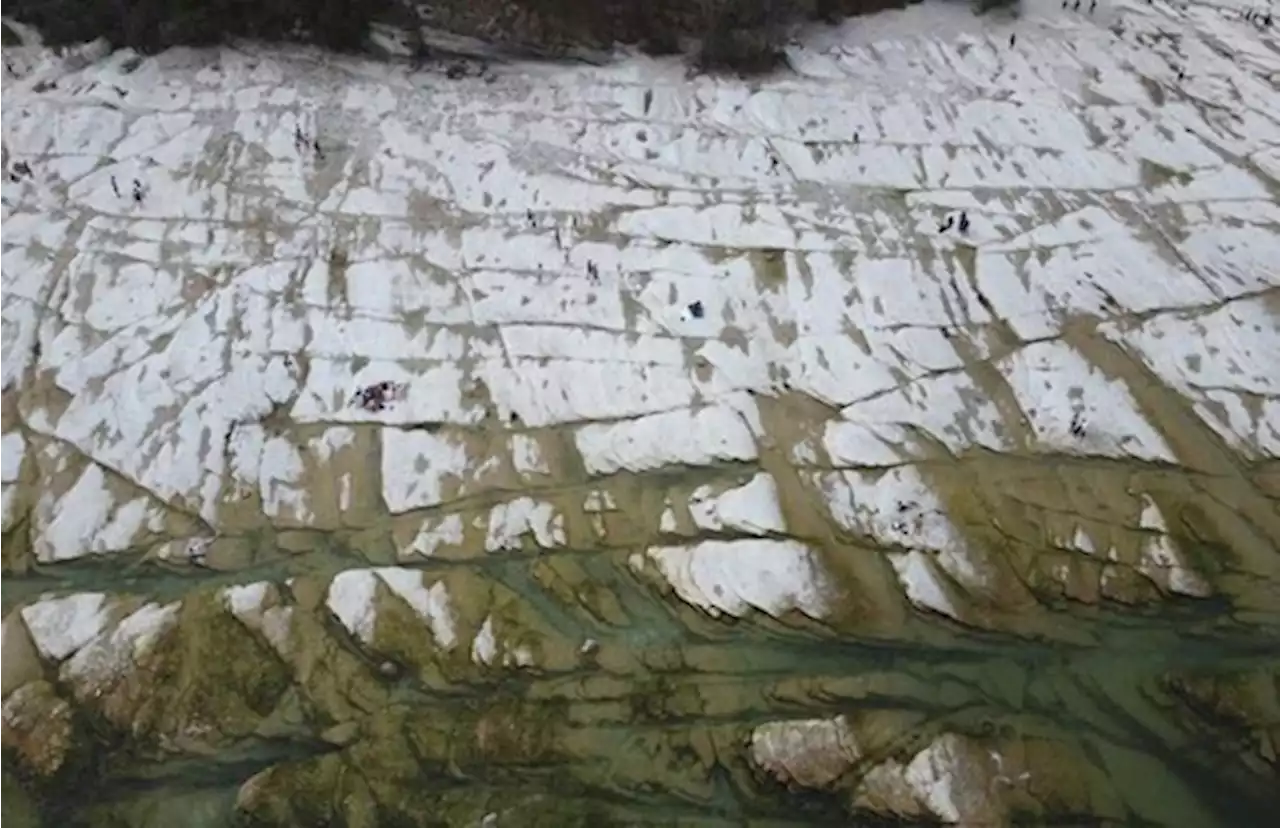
(152, 25)
(743, 36)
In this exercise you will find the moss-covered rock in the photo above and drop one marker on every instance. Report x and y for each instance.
(204, 679)
(39, 729)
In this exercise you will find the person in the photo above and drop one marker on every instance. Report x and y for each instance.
(964, 222)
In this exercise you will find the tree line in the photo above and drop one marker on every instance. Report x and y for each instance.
(722, 35)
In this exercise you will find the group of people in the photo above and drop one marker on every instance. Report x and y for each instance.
(301, 143)
(951, 222)
(1258, 18)
(138, 193)
(20, 171)
(378, 396)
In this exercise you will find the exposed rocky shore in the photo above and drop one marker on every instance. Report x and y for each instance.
(892, 441)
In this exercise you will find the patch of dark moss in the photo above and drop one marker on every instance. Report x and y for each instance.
(208, 685)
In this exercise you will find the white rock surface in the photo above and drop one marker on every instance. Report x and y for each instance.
(811, 753)
(353, 595)
(950, 780)
(61, 626)
(734, 577)
(116, 652)
(752, 508)
(693, 438)
(600, 272)
(509, 522)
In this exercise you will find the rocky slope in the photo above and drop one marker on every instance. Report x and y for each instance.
(473, 444)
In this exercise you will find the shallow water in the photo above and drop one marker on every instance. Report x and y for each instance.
(634, 758)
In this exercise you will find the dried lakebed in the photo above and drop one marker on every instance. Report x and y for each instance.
(724, 488)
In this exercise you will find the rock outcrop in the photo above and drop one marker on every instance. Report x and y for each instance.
(714, 474)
